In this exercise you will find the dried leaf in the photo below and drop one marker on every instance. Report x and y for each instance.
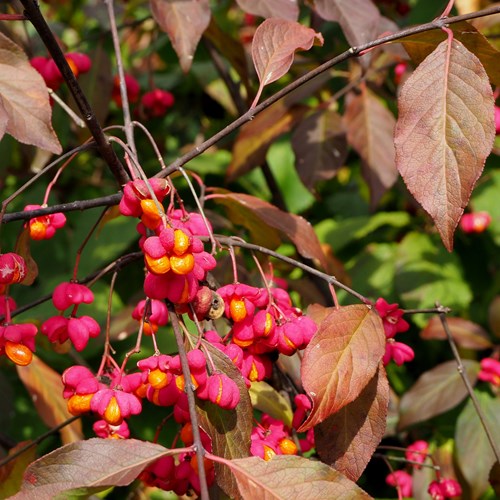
(274, 45)
(347, 439)
(229, 430)
(370, 131)
(184, 21)
(25, 111)
(419, 46)
(320, 147)
(267, 399)
(444, 133)
(359, 19)
(473, 450)
(436, 391)
(466, 334)
(88, 464)
(254, 213)
(11, 474)
(341, 359)
(45, 388)
(284, 9)
(255, 137)
(290, 477)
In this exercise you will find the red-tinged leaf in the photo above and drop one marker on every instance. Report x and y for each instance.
(466, 334)
(317, 312)
(274, 45)
(341, 359)
(229, 430)
(95, 463)
(347, 439)
(283, 9)
(444, 133)
(255, 137)
(184, 21)
(45, 388)
(267, 399)
(290, 477)
(359, 19)
(370, 131)
(473, 450)
(23, 245)
(419, 46)
(320, 147)
(436, 391)
(11, 474)
(256, 212)
(25, 111)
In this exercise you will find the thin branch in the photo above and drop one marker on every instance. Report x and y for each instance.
(461, 370)
(35, 16)
(352, 52)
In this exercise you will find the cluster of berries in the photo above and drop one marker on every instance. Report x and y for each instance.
(392, 319)
(154, 103)
(44, 227)
(439, 489)
(17, 341)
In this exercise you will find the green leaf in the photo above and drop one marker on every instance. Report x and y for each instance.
(485, 198)
(268, 400)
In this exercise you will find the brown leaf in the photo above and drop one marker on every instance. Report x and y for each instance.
(419, 46)
(320, 147)
(254, 211)
(184, 21)
(494, 316)
(347, 439)
(370, 131)
(45, 388)
(466, 334)
(229, 430)
(23, 245)
(494, 478)
(274, 45)
(291, 477)
(255, 137)
(436, 391)
(25, 111)
(92, 463)
(11, 474)
(444, 133)
(284, 9)
(473, 450)
(341, 359)
(359, 19)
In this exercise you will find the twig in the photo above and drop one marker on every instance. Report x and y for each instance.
(461, 370)
(35, 16)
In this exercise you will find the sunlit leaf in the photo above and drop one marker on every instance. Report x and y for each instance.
(89, 464)
(11, 474)
(474, 453)
(255, 137)
(420, 45)
(370, 130)
(267, 399)
(284, 9)
(320, 147)
(258, 212)
(341, 359)
(290, 477)
(45, 388)
(184, 21)
(359, 19)
(444, 133)
(436, 391)
(25, 111)
(230, 430)
(274, 45)
(466, 334)
(347, 439)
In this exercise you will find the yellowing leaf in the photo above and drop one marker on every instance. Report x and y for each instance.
(444, 133)
(341, 359)
(25, 111)
(11, 474)
(45, 387)
(268, 400)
